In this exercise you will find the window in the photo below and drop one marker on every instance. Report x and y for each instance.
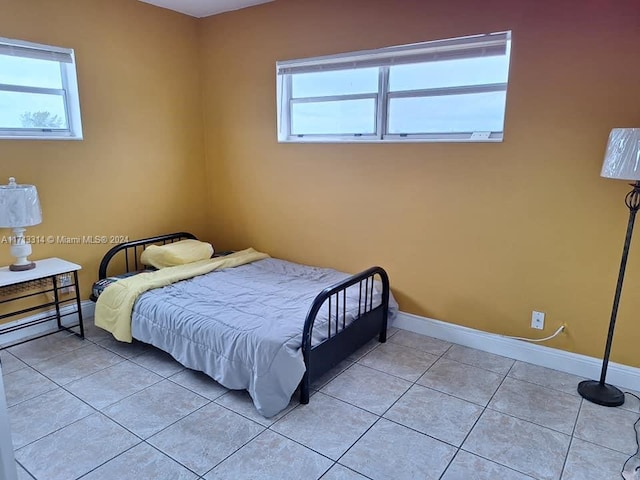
(445, 90)
(38, 92)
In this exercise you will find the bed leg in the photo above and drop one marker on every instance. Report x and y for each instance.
(385, 320)
(383, 336)
(304, 389)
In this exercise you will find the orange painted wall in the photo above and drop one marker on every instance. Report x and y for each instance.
(139, 169)
(473, 234)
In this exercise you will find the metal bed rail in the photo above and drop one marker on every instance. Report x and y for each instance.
(344, 338)
(135, 245)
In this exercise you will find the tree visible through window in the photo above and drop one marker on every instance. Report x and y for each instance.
(38, 91)
(40, 120)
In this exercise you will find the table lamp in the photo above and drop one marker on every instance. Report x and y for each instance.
(19, 208)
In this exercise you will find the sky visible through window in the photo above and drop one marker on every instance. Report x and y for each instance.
(414, 114)
(475, 112)
(20, 71)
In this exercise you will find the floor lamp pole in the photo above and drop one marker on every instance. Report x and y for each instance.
(598, 391)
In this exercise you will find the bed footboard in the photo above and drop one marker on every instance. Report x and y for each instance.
(344, 338)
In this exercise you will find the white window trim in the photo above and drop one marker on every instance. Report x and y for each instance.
(69, 91)
(463, 47)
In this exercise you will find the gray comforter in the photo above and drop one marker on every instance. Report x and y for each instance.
(242, 326)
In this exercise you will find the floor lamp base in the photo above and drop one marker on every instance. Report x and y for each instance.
(602, 394)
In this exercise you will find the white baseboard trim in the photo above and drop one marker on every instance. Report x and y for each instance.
(620, 375)
(16, 336)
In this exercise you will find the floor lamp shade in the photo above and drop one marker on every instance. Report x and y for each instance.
(19, 208)
(622, 162)
(622, 159)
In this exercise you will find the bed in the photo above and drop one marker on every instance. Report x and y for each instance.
(269, 326)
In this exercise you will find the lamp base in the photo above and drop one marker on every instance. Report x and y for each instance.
(606, 395)
(22, 268)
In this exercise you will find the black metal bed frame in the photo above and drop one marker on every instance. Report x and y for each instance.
(343, 338)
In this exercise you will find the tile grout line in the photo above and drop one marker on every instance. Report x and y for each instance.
(245, 416)
(493, 409)
(164, 428)
(277, 433)
(99, 411)
(107, 461)
(142, 439)
(117, 401)
(43, 360)
(145, 440)
(348, 468)
(573, 437)
(55, 386)
(235, 451)
(200, 408)
(350, 404)
(566, 457)
(480, 367)
(57, 429)
(173, 459)
(391, 406)
(26, 470)
(613, 450)
(544, 386)
(16, 359)
(310, 448)
(393, 374)
(460, 397)
(351, 363)
(485, 408)
(62, 385)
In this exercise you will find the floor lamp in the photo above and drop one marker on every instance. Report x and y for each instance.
(622, 162)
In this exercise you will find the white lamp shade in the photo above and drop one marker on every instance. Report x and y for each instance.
(622, 160)
(19, 205)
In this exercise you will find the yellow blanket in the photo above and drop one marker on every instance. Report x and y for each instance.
(115, 303)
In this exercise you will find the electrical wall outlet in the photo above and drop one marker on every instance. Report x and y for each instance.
(537, 320)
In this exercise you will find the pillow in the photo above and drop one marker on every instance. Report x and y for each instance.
(177, 253)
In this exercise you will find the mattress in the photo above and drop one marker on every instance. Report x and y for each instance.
(99, 286)
(243, 326)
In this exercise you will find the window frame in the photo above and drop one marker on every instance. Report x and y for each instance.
(474, 46)
(65, 57)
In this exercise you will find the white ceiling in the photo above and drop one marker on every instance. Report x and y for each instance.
(204, 8)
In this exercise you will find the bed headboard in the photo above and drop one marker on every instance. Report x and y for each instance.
(130, 251)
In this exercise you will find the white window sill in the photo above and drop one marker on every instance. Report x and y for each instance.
(393, 140)
(38, 137)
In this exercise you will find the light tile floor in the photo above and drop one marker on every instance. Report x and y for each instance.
(413, 408)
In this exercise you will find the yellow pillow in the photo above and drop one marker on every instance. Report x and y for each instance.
(177, 253)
